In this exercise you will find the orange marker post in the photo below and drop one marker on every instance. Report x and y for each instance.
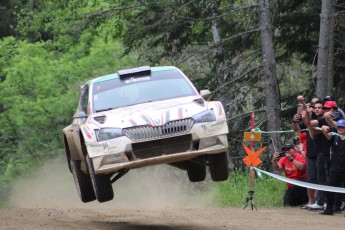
(252, 160)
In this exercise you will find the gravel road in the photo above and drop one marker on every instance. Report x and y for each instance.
(154, 198)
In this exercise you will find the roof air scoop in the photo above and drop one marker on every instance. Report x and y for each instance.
(140, 71)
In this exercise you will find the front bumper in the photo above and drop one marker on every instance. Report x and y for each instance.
(162, 151)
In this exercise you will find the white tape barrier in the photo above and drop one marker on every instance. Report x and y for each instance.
(301, 183)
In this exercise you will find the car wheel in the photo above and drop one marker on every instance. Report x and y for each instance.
(196, 172)
(219, 166)
(101, 183)
(82, 182)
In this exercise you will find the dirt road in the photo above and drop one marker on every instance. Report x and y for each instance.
(153, 199)
(168, 218)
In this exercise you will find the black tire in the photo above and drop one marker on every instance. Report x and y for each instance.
(196, 172)
(219, 166)
(101, 183)
(82, 182)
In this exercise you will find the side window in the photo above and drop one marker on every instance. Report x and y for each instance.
(84, 98)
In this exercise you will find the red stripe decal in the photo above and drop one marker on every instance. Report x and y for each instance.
(180, 115)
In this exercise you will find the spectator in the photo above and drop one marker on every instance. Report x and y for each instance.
(337, 170)
(294, 166)
(307, 146)
(331, 114)
(331, 98)
(322, 148)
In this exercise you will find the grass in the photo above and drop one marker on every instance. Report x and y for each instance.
(2, 205)
(268, 192)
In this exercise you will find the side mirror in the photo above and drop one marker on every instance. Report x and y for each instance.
(81, 114)
(205, 92)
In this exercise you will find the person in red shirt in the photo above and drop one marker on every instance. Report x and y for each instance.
(294, 166)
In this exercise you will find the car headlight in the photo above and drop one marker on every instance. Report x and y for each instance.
(108, 133)
(206, 116)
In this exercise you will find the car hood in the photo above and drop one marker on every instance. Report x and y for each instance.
(152, 113)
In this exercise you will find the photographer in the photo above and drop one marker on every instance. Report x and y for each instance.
(294, 166)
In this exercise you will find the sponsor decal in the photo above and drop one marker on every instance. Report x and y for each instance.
(167, 116)
(147, 120)
(137, 79)
(87, 133)
(220, 109)
(105, 145)
(115, 158)
(204, 127)
(132, 122)
(94, 150)
(220, 122)
(89, 110)
(94, 145)
(180, 113)
(112, 148)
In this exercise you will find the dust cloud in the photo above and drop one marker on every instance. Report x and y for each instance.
(157, 187)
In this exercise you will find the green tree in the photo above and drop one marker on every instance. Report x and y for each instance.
(39, 92)
(8, 11)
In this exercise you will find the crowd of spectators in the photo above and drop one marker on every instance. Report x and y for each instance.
(316, 156)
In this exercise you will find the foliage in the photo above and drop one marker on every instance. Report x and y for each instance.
(8, 22)
(39, 94)
(233, 192)
(65, 21)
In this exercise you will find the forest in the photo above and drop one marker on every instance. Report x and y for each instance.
(254, 56)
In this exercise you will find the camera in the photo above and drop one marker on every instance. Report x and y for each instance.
(281, 154)
(335, 116)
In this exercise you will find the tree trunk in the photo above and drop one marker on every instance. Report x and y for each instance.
(219, 65)
(323, 49)
(270, 72)
(331, 53)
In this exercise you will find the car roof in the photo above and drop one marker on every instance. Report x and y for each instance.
(115, 75)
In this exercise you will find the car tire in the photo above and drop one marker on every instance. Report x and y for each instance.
(219, 166)
(101, 183)
(196, 172)
(82, 182)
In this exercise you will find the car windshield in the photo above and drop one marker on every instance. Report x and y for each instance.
(158, 86)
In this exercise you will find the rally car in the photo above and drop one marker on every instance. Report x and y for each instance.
(143, 117)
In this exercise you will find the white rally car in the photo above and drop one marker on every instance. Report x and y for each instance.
(142, 117)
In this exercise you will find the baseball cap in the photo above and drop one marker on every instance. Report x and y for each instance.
(330, 104)
(288, 145)
(329, 98)
(340, 123)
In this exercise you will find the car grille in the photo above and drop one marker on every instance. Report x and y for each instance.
(153, 132)
(166, 146)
